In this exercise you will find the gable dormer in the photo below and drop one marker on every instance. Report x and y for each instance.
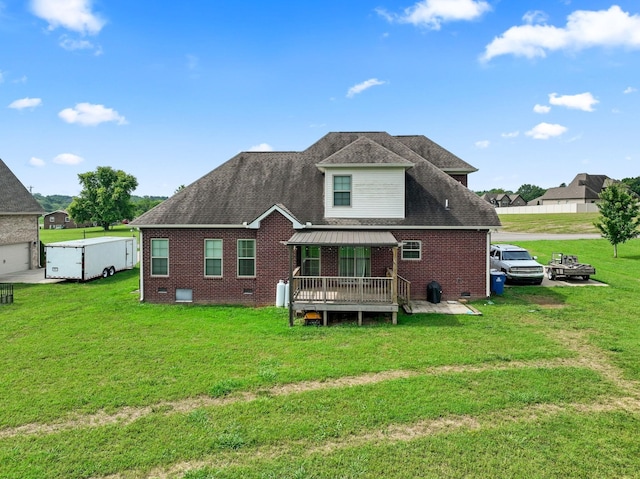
(364, 180)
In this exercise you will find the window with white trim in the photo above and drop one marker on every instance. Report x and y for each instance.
(246, 257)
(412, 249)
(213, 258)
(159, 257)
(342, 190)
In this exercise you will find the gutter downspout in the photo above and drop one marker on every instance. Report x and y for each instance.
(141, 268)
(488, 263)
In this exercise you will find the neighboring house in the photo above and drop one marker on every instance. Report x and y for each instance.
(356, 222)
(19, 231)
(584, 188)
(503, 200)
(60, 219)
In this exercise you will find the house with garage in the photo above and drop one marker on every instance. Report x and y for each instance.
(584, 188)
(357, 222)
(19, 230)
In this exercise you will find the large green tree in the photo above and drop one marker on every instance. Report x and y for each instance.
(105, 197)
(619, 210)
(529, 192)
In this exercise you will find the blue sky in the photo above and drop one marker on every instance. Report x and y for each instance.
(526, 91)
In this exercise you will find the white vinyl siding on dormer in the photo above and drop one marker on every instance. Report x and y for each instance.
(375, 193)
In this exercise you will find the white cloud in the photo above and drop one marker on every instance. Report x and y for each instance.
(68, 159)
(261, 147)
(360, 87)
(37, 162)
(584, 29)
(25, 103)
(87, 114)
(72, 44)
(75, 15)
(542, 109)
(581, 101)
(482, 144)
(432, 13)
(629, 89)
(534, 16)
(544, 131)
(511, 134)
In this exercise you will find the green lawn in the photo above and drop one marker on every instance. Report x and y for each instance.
(550, 223)
(546, 383)
(52, 236)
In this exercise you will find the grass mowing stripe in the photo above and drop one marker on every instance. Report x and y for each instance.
(94, 347)
(566, 444)
(312, 418)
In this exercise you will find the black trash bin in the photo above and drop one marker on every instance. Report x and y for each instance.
(434, 292)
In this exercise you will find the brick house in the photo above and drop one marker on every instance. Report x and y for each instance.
(356, 222)
(19, 230)
(60, 219)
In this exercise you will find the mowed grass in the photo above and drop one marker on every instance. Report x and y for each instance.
(544, 384)
(51, 236)
(550, 223)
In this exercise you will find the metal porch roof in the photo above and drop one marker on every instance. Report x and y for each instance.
(343, 238)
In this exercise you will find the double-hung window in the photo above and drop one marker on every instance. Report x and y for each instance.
(246, 257)
(412, 250)
(159, 257)
(342, 190)
(213, 258)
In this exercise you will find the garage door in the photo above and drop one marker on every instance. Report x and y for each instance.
(14, 257)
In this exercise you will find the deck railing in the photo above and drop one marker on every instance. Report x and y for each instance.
(338, 289)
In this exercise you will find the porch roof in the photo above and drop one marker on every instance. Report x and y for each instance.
(343, 238)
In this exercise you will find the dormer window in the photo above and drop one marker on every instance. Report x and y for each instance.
(342, 190)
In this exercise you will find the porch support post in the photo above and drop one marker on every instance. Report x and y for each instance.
(394, 285)
(360, 318)
(290, 298)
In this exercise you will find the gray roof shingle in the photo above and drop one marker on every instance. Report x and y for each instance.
(250, 183)
(14, 197)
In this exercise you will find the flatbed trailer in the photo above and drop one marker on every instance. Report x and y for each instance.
(568, 266)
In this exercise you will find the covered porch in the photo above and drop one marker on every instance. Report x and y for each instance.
(360, 292)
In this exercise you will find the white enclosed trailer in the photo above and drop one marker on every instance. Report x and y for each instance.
(86, 259)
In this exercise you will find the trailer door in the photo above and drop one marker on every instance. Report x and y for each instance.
(131, 255)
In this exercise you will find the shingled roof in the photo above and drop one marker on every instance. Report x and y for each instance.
(583, 187)
(250, 183)
(15, 199)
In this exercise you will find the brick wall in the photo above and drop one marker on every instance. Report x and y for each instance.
(186, 264)
(455, 259)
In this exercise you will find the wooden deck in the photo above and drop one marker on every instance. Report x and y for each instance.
(330, 293)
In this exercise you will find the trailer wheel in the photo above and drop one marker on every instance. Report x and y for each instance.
(551, 274)
(105, 272)
(586, 277)
(112, 271)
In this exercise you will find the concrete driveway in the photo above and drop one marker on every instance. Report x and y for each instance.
(32, 276)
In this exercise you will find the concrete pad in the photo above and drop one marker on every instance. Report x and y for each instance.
(31, 276)
(444, 307)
